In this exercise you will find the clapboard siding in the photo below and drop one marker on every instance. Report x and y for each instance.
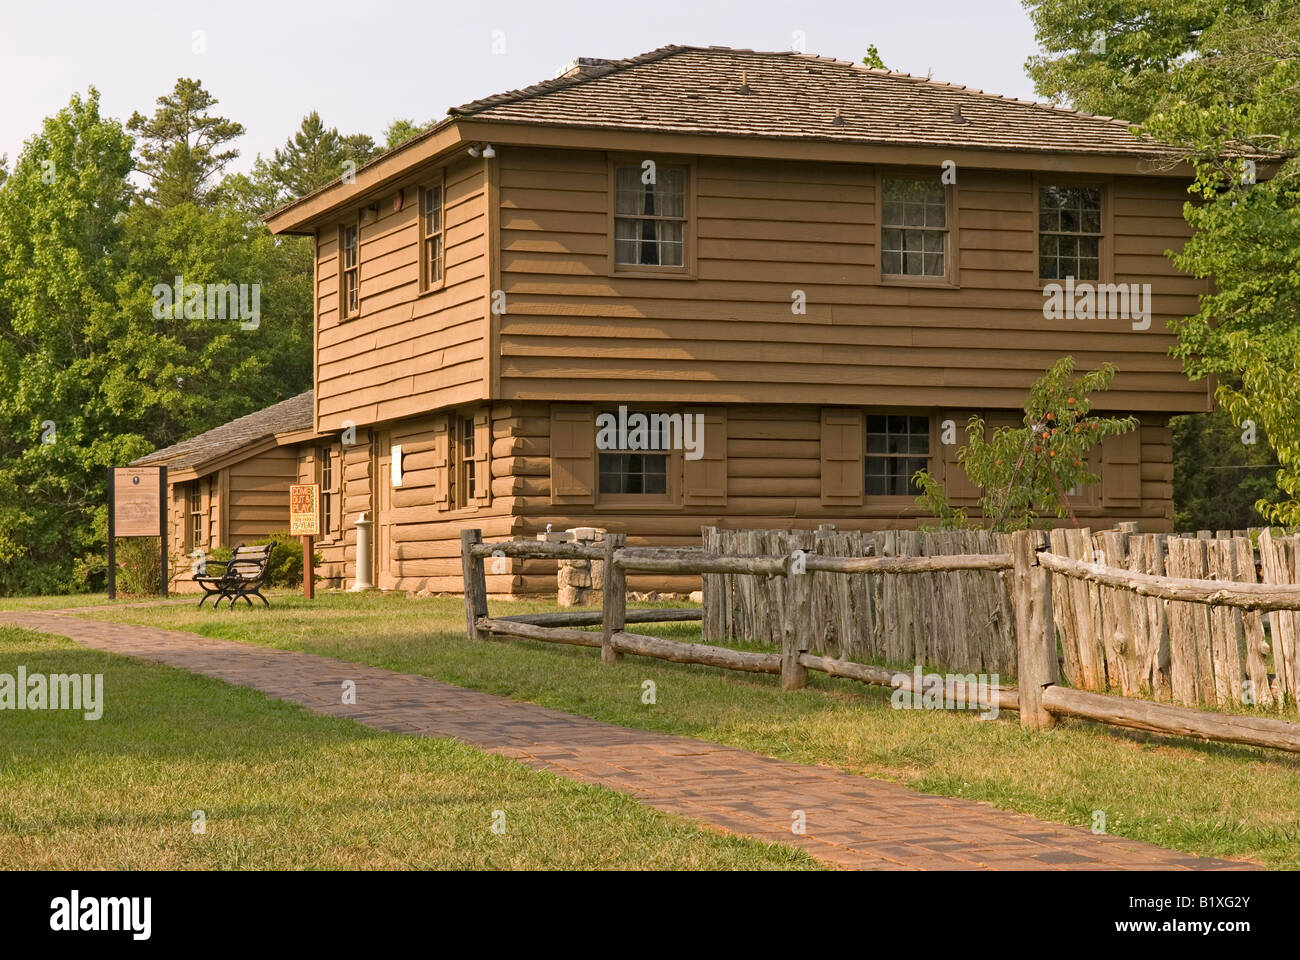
(406, 352)
(258, 491)
(767, 228)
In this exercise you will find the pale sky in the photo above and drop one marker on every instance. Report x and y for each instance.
(365, 62)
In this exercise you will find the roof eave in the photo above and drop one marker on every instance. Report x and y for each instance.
(529, 133)
(299, 216)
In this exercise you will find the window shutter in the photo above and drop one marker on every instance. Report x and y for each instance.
(441, 464)
(573, 445)
(205, 509)
(841, 456)
(483, 457)
(178, 518)
(961, 491)
(336, 493)
(704, 481)
(1121, 470)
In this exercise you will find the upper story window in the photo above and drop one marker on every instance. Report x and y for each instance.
(649, 218)
(897, 446)
(1069, 232)
(431, 237)
(349, 275)
(914, 228)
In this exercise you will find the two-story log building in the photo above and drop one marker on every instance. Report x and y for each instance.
(822, 261)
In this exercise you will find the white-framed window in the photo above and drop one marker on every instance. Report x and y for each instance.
(649, 218)
(431, 236)
(914, 228)
(898, 445)
(349, 272)
(1069, 232)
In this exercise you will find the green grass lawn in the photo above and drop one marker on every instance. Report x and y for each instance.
(282, 788)
(1209, 799)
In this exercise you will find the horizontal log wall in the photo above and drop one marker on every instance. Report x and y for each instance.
(773, 482)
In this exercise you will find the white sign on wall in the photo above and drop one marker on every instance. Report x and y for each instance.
(397, 464)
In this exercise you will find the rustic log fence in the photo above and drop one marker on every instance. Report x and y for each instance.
(1036, 576)
(960, 618)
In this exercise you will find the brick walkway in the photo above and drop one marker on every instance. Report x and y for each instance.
(851, 821)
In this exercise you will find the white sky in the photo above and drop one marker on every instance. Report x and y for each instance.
(364, 62)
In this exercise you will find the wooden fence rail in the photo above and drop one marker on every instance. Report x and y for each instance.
(1033, 572)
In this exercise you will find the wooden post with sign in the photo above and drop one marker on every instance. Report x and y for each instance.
(304, 521)
(137, 507)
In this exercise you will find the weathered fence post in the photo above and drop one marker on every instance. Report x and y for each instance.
(614, 601)
(475, 578)
(1035, 632)
(797, 626)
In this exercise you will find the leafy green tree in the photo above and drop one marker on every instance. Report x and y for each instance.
(61, 230)
(178, 374)
(1221, 470)
(1230, 108)
(401, 130)
(184, 147)
(95, 368)
(872, 59)
(1118, 57)
(1217, 79)
(1026, 471)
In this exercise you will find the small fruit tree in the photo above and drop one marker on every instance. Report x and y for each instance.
(1025, 472)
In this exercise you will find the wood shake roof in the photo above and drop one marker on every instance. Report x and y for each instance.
(292, 415)
(718, 90)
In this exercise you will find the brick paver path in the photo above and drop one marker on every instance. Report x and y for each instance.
(852, 821)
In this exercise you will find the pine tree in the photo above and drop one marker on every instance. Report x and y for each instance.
(183, 147)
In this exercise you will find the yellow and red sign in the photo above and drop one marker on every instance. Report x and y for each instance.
(304, 509)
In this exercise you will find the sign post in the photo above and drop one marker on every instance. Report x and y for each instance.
(137, 507)
(304, 521)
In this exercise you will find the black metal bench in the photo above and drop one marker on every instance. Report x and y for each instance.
(240, 578)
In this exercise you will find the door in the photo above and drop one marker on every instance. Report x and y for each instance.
(384, 578)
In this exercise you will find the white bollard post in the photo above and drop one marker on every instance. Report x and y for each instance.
(363, 578)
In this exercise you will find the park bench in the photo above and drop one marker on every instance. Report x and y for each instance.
(240, 577)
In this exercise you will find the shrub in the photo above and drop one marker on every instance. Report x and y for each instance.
(138, 570)
(1024, 472)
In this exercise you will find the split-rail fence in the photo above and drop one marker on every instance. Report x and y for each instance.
(1035, 574)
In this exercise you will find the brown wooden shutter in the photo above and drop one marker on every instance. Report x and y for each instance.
(961, 491)
(336, 493)
(573, 447)
(483, 457)
(841, 456)
(441, 464)
(178, 522)
(205, 509)
(1121, 470)
(704, 481)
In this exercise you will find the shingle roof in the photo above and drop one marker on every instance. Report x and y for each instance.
(296, 413)
(719, 90)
